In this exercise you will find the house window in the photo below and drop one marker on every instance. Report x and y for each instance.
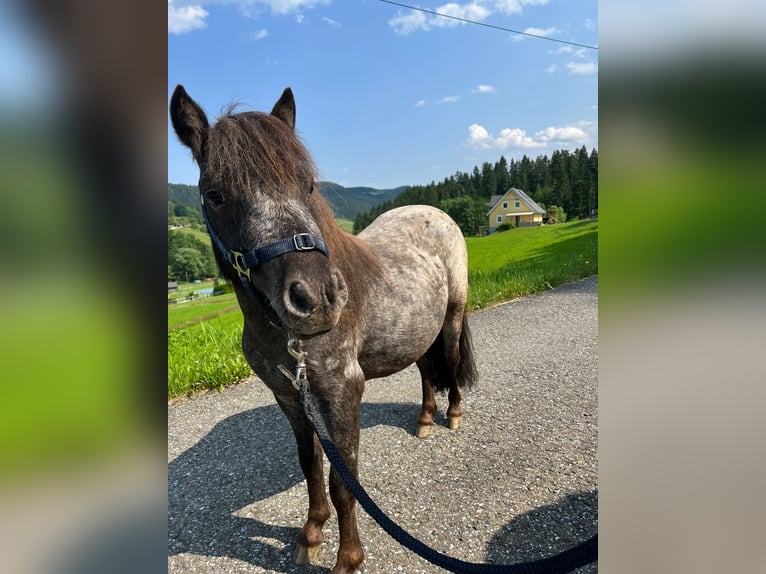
(505, 205)
(499, 218)
(516, 205)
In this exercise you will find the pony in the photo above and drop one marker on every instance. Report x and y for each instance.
(363, 306)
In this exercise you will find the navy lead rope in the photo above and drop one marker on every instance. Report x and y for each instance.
(566, 561)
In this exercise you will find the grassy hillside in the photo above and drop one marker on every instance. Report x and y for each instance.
(528, 260)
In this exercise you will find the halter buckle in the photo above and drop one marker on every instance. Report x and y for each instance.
(239, 264)
(303, 242)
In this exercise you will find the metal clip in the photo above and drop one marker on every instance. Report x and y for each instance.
(295, 348)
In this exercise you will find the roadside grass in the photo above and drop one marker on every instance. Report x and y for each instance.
(204, 336)
(207, 355)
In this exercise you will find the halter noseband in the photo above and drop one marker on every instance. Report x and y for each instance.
(244, 262)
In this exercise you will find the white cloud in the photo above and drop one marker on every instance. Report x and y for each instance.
(448, 100)
(590, 24)
(187, 15)
(285, 6)
(577, 53)
(516, 138)
(515, 6)
(471, 11)
(332, 23)
(570, 136)
(484, 89)
(478, 137)
(476, 10)
(184, 19)
(420, 103)
(552, 69)
(540, 31)
(582, 68)
(407, 22)
(544, 32)
(260, 34)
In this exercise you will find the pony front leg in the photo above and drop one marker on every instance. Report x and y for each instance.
(343, 422)
(308, 545)
(350, 553)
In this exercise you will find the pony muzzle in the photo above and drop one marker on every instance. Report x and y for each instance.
(313, 305)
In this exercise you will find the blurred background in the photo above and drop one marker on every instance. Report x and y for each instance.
(83, 130)
(682, 320)
(82, 173)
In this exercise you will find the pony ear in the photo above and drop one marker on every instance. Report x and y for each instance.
(284, 109)
(189, 121)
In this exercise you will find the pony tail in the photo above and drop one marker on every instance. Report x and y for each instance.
(467, 374)
(440, 375)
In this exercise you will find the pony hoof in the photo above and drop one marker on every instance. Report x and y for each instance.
(425, 430)
(454, 422)
(306, 554)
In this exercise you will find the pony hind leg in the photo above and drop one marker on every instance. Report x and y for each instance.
(452, 364)
(462, 366)
(426, 418)
(438, 370)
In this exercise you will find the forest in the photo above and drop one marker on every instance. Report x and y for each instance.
(566, 183)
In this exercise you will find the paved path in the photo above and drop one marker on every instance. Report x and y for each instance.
(517, 482)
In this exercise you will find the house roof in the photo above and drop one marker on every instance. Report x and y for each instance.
(495, 199)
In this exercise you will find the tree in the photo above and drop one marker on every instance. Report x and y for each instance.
(502, 177)
(203, 264)
(467, 212)
(557, 213)
(187, 264)
(488, 180)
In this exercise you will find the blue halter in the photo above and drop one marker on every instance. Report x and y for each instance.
(244, 262)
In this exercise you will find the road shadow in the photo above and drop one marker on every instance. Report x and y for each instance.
(546, 531)
(247, 458)
(251, 456)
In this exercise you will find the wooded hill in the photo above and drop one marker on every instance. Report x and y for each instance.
(568, 180)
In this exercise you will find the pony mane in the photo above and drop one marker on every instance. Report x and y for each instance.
(255, 148)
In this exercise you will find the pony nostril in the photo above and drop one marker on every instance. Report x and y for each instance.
(336, 290)
(300, 298)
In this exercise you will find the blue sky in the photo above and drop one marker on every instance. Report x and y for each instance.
(387, 96)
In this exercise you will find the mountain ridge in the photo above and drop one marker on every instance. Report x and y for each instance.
(346, 202)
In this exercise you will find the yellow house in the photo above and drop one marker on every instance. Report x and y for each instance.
(516, 208)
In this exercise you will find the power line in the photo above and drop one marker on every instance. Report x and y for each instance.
(490, 25)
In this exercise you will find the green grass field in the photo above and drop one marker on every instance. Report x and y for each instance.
(204, 336)
(528, 260)
(182, 314)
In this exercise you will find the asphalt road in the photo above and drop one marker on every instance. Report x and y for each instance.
(517, 482)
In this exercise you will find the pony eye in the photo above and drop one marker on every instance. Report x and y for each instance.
(214, 198)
